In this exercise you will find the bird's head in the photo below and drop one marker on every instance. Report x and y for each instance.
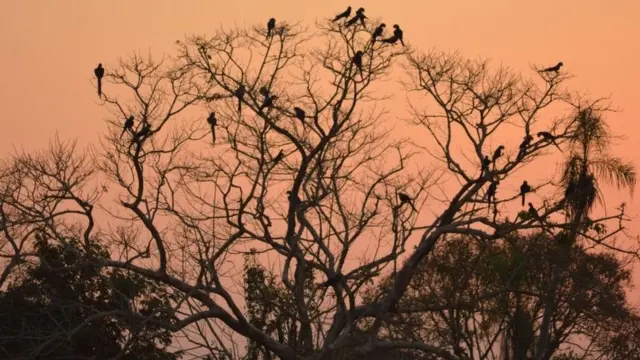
(100, 66)
(274, 97)
(130, 118)
(531, 205)
(560, 63)
(348, 8)
(212, 114)
(360, 10)
(383, 25)
(525, 183)
(359, 53)
(396, 26)
(272, 20)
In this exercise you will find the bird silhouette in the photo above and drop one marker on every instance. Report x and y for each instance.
(99, 72)
(397, 32)
(343, 15)
(524, 189)
(547, 136)
(144, 132)
(268, 101)
(491, 192)
(523, 147)
(271, 24)
(498, 153)
(359, 16)
(128, 125)
(554, 68)
(278, 158)
(300, 114)
(239, 93)
(213, 122)
(534, 213)
(378, 32)
(405, 199)
(357, 60)
(484, 167)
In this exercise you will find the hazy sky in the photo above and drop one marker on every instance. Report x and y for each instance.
(48, 49)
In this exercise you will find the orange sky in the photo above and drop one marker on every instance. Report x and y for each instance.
(49, 49)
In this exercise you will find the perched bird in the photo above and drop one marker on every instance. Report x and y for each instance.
(523, 147)
(239, 93)
(278, 158)
(268, 101)
(534, 213)
(213, 122)
(270, 26)
(498, 153)
(377, 32)
(491, 191)
(359, 16)
(146, 129)
(484, 167)
(405, 199)
(128, 125)
(398, 33)
(554, 69)
(300, 114)
(547, 136)
(357, 60)
(524, 189)
(343, 15)
(99, 72)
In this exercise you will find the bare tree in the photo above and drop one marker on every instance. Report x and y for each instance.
(330, 191)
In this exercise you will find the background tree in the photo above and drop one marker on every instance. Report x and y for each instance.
(82, 311)
(313, 194)
(486, 300)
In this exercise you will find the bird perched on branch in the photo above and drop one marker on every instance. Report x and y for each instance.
(498, 153)
(405, 199)
(300, 114)
(534, 213)
(99, 72)
(278, 158)
(213, 122)
(491, 192)
(332, 280)
(397, 35)
(268, 101)
(378, 32)
(523, 147)
(357, 61)
(239, 93)
(524, 189)
(547, 136)
(554, 68)
(271, 24)
(128, 125)
(359, 16)
(343, 15)
(484, 167)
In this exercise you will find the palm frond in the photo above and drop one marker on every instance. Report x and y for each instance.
(615, 171)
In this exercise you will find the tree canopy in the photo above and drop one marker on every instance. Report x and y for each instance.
(279, 146)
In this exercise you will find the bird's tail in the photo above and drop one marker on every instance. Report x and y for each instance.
(239, 105)
(402, 42)
(556, 144)
(99, 88)
(523, 199)
(122, 134)
(213, 134)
